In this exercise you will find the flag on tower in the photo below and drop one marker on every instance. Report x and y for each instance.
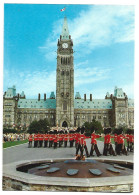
(63, 9)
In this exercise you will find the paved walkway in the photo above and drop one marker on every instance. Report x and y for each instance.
(22, 152)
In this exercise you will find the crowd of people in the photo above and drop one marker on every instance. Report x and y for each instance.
(9, 137)
(76, 138)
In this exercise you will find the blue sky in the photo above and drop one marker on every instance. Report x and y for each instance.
(103, 37)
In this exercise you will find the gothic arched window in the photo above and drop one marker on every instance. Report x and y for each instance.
(65, 106)
(62, 72)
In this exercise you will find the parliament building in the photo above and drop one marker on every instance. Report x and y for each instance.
(67, 109)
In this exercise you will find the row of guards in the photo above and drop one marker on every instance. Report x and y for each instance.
(57, 138)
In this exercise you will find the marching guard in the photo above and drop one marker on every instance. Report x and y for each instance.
(30, 139)
(121, 149)
(35, 140)
(50, 138)
(55, 139)
(94, 146)
(65, 139)
(107, 143)
(46, 138)
(41, 137)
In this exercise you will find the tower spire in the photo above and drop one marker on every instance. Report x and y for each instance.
(65, 30)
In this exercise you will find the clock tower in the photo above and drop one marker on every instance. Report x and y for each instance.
(65, 79)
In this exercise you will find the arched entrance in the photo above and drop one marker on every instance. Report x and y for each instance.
(64, 124)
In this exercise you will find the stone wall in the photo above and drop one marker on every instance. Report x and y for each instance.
(14, 185)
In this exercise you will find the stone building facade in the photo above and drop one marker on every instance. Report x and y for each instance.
(67, 109)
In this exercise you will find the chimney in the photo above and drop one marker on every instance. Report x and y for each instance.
(60, 37)
(18, 95)
(69, 36)
(39, 97)
(90, 97)
(44, 96)
(84, 97)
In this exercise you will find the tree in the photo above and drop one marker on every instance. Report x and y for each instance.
(41, 126)
(94, 125)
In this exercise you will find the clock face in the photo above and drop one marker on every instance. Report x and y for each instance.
(65, 45)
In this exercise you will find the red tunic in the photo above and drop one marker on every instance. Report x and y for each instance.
(70, 137)
(77, 137)
(55, 138)
(60, 137)
(131, 138)
(66, 137)
(127, 137)
(107, 139)
(50, 137)
(93, 138)
(35, 137)
(41, 137)
(120, 139)
(82, 139)
(115, 137)
(30, 137)
(46, 137)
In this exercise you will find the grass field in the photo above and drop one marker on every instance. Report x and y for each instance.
(13, 143)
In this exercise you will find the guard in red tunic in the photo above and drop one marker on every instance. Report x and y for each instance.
(50, 138)
(35, 140)
(60, 138)
(30, 139)
(121, 149)
(107, 143)
(83, 143)
(46, 138)
(71, 138)
(127, 135)
(115, 139)
(79, 147)
(131, 140)
(65, 139)
(77, 137)
(94, 144)
(55, 139)
(41, 137)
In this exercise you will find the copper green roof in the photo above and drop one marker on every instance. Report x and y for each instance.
(94, 104)
(35, 103)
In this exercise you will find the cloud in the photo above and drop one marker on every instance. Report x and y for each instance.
(97, 27)
(31, 84)
(89, 75)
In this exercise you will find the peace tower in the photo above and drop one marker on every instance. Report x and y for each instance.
(65, 79)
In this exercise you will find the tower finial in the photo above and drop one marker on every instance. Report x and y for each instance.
(65, 30)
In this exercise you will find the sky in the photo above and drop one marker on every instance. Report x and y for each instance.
(103, 38)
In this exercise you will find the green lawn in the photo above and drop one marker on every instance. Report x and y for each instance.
(14, 143)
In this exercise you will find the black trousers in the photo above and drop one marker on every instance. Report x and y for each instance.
(45, 143)
(30, 144)
(55, 145)
(121, 149)
(40, 143)
(80, 147)
(86, 150)
(50, 144)
(71, 143)
(65, 144)
(131, 146)
(94, 148)
(108, 149)
(36, 144)
(60, 143)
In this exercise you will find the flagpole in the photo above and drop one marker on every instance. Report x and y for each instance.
(65, 11)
